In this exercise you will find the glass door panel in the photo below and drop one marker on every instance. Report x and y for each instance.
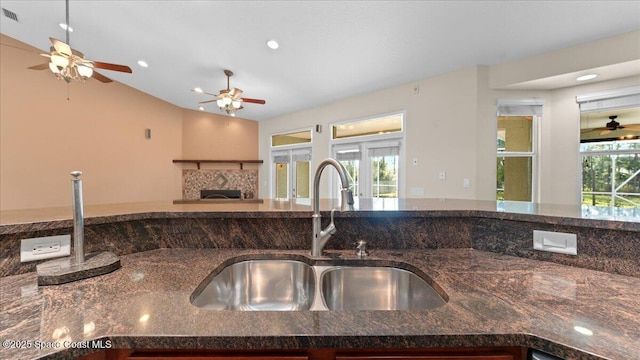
(301, 175)
(384, 176)
(281, 180)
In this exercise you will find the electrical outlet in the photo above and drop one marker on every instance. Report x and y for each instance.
(45, 247)
(466, 182)
(564, 243)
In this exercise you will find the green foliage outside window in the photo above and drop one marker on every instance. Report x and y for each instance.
(611, 180)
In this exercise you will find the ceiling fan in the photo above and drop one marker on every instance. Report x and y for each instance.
(612, 126)
(70, 65)
(229, 100)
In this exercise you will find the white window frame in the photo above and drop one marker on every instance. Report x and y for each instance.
(524, 107)
(367, 142)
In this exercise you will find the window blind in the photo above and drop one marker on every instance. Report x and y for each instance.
(385, 151)
(353, 154)
(281, 157)
(302, 157)
(522, 107)
(609, 100)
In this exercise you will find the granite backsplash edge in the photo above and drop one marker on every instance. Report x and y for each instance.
(605, 249)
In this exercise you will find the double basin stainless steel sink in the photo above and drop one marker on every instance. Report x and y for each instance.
(291, 285)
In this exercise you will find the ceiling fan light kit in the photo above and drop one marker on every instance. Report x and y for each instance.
(71, 73)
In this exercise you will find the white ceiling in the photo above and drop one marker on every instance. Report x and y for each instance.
(328, 49)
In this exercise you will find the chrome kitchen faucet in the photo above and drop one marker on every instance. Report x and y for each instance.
(320, 237)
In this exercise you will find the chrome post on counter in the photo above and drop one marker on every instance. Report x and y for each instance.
(78, 217)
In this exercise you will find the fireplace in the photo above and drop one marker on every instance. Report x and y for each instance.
(220, 194)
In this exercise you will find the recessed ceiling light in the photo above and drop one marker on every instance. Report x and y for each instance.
(198, 90)
(272, 44)
(200, 108)
(587, 77)
(143, 63)
(65, 26)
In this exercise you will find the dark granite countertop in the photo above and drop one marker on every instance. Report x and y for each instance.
(494, 300)
(16, 221)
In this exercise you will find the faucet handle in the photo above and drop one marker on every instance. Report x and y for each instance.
(361, 249)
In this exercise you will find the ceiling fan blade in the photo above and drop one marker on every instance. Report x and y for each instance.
(61, 47)
(203, 92)
(101, 77)
(632, 127)
(254, 101)
(39, 67)
(207, 101)
(113, 67)
(605, 132)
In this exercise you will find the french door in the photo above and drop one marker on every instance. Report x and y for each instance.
(372, 167)
(291, 173)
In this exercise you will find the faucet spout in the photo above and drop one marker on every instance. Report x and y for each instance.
(320, 237)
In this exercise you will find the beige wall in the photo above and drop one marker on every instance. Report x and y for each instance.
(100, 130)
(213, 136)
(445, 104)
(596, 54)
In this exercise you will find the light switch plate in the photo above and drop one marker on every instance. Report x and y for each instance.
(45, 247)
(564, 243)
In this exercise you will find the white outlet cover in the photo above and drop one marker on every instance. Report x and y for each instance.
(45, 247)
(564, 243)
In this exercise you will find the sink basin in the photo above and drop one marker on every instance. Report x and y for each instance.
(376, 288)
(259, 285)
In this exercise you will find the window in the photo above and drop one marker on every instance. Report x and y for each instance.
(370, 151)
(610, 148)
(376, 126)
(300, 137)
(516, 149)
(291, 165)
